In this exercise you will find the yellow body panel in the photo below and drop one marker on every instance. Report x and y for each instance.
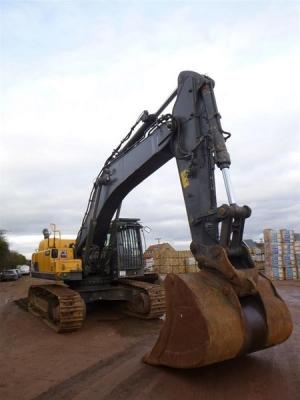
(44, 260)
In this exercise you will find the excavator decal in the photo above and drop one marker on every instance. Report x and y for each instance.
(184, 178)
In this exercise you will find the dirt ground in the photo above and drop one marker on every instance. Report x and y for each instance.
(103, 360)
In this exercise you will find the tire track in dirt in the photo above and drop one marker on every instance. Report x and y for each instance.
(100, 379)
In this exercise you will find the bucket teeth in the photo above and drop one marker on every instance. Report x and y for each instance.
(206, 322)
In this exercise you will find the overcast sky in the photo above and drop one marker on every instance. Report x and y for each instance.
(75, 76)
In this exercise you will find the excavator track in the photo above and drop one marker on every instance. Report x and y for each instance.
(59, 306)
(149, 303)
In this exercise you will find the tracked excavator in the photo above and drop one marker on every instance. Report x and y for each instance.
(225, 310)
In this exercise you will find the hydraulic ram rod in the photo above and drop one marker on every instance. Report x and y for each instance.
(228, 186)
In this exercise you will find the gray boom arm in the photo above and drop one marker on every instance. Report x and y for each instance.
(193, 135)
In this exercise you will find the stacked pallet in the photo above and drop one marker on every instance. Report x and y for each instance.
(280, 260)
(161, 256)
(191, 264)
(164, 259)
(289, 254)
(297, 252)
(257, 254)
(260, 265)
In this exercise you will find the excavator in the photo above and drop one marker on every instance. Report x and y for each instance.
(224, 310)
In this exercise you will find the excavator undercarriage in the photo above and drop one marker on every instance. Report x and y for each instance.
(64, 310)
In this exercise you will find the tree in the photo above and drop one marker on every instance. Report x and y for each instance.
(15, 259)
(4, 250)
(9, 258)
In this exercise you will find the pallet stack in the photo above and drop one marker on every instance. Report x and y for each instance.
(289, 254)
(257, 254)
(273, 254)
(191, 264)
(164, 259)
(297, 252)
(280, 260)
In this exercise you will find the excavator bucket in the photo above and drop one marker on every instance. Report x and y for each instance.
(208, 322)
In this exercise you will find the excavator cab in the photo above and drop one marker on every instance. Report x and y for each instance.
(122, 253)
(130, 250)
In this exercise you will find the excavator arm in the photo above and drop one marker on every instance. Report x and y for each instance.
(194, 136)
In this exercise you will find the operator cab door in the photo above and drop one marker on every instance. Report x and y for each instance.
(130, 252)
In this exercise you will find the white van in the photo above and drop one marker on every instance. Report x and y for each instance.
(25, 269)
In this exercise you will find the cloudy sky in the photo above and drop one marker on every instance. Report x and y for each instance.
(75, 76)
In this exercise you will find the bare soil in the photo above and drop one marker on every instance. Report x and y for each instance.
(103, 360)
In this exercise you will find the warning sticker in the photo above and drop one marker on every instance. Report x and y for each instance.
(63, 254)
(184, 178)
